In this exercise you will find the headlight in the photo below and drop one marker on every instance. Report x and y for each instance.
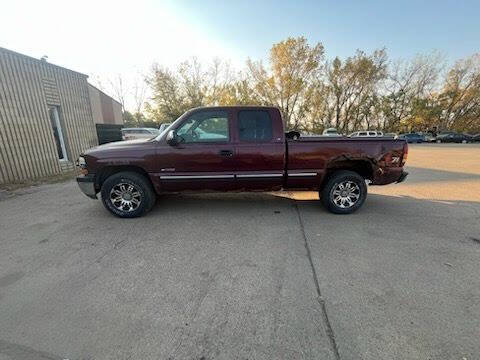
(81, 162)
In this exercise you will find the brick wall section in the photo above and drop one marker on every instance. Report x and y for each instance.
(27, 145)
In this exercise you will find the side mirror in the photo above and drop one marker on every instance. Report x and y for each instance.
(172, 138)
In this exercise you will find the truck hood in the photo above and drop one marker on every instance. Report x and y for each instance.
(118, 145)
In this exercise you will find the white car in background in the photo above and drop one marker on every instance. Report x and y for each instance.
(366, 134)
(139, 133)
(331, 132)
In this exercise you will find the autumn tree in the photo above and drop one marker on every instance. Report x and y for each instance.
(287, 83)
(119, 89)
(363, 91)
(459, 99)
(352, 88)
(238, 92)
(406, 83)
(187, 86)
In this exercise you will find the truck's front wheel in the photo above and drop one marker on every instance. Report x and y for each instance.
(344, 192)
(127, 194)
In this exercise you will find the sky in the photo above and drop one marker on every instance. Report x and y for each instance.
(105, 38)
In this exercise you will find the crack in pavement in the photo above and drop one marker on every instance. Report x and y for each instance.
(321, 301)
(17, 351)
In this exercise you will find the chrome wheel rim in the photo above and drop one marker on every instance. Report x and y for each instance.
(125, 197)
(345, 194)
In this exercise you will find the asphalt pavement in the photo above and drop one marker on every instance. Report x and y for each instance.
(248, 276)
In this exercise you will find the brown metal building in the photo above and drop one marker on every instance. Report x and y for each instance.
(46, 117)
(105, 110)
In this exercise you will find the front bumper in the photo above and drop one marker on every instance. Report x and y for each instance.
(87, 185)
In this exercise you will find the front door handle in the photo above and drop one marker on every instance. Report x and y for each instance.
(226, 153)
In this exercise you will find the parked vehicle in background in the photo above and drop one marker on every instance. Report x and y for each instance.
(331, 132)
(476, 138)
(469, 138)
(139, 133)
(163, 127)
(366, 134)
(453, 138)
(391, 135)
(429, 138)
(412, 138)
(238, 148)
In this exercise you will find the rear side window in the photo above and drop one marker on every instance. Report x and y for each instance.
(255, 126)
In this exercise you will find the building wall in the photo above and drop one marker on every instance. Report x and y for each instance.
(117, 113)
(95, 104)
(105, 109)
(27, 145)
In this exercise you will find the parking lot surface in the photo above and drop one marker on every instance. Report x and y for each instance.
(249, 276)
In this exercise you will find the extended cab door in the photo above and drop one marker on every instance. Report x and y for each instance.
(260, 149)
(204, 157)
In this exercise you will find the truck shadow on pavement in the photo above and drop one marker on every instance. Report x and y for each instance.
(421, 175)
(375, 204)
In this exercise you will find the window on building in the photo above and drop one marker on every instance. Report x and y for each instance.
(54, 113)
(254, 125)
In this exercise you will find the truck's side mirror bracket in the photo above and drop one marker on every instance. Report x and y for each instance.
(172, 138)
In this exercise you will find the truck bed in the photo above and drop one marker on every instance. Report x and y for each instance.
(380, 159)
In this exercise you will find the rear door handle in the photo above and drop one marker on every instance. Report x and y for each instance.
(226, 153)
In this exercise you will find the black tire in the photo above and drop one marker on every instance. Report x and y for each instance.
(144, 194)
(332, 184)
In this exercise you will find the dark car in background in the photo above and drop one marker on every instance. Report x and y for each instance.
(412, 138)
(453, 138)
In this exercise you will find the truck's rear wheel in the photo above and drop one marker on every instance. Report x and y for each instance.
(127, 194)
(344, 192)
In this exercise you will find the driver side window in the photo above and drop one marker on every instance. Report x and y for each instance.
(205, 127)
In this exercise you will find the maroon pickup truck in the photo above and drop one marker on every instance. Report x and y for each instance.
(238, 148)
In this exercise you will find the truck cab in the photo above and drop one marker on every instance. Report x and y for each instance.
(223, 149)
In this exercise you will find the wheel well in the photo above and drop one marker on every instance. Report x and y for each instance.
(108, 171)
(362, 167)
